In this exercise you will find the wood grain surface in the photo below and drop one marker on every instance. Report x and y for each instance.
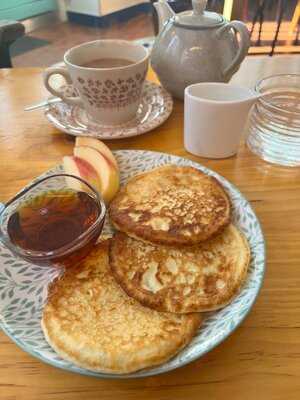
(261, 359)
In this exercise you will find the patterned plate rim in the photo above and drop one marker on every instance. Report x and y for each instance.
(143, 127)
(224, 333)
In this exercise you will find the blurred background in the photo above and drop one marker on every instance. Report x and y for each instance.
(38, 32)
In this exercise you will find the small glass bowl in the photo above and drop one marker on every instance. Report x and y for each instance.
(274, 121)
(70, 253)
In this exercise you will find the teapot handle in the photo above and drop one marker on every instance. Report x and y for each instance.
(243, 45)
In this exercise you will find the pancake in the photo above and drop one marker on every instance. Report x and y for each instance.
(90, 321)
(171, 205)
(202, 278)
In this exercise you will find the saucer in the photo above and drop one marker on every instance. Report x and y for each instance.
(156, 106)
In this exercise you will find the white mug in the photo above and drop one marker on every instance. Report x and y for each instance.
(215, 115)
(110, 96)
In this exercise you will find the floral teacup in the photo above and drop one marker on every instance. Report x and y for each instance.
(110, 96)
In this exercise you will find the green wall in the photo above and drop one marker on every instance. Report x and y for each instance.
(22, 9)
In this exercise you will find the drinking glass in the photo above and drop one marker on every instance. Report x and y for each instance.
(274, 122)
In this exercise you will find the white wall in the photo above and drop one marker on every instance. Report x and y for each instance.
(97, 7)
(90, 7)
(109, 6)
(62, 8)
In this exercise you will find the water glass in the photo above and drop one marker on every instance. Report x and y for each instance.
(274, 122)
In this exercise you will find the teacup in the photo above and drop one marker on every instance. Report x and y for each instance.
(109, 95)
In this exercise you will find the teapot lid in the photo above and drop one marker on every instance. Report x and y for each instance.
(198, 18)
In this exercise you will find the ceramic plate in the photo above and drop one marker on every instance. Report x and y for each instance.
(23, 287)
(155, 108)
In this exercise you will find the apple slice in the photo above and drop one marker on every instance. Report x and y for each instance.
(99, 146)
(79, 167)
(108, 175)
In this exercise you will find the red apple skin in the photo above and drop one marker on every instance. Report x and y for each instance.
(99, 146)
(77, 166)
(84, 168)
(108, 175)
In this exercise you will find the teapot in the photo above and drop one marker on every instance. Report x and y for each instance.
(196, 46)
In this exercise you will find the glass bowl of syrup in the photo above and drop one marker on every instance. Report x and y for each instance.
(55, 221)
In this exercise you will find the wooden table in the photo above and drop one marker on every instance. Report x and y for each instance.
(261, 360)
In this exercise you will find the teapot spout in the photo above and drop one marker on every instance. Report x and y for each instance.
(164, 12)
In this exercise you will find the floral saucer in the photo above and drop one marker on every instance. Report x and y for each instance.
(156, 106)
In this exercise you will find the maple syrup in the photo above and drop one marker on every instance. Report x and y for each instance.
(54, 220)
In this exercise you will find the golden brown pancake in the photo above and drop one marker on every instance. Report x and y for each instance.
(171, 205)
(90, 321)
(202, 278)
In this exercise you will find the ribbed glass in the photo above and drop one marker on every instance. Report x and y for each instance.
(274, 122)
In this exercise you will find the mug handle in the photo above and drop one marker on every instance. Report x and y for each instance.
(243, 45)
(74, 101)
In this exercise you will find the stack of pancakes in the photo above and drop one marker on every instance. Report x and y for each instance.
(136, 300)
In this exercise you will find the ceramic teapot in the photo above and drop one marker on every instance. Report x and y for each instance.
(196, 46)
